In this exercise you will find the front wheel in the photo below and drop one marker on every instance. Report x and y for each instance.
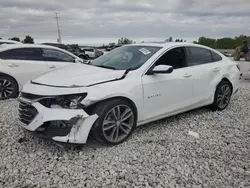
(222, 96)
(8, 88)
(116, 121)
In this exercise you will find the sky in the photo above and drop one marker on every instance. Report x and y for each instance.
(105, 21)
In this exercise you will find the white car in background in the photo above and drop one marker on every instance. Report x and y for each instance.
(22, 62)
(132, 85)
(91, 53)
(9, 42)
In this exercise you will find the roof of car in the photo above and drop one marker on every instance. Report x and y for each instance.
(167, 44)
(4, 47)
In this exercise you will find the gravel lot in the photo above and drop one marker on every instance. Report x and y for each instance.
(160, 154)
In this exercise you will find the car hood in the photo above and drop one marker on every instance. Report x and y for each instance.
(78, 75)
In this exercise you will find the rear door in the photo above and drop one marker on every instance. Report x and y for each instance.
(56, 58)
(23, 63)
(206, 68)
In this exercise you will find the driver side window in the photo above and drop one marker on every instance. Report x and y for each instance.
(56, 55)
(175, 57)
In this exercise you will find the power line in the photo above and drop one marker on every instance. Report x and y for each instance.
(59, 33)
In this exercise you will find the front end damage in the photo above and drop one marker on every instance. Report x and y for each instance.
(55, 122)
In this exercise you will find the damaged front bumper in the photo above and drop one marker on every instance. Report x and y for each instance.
(41, 120)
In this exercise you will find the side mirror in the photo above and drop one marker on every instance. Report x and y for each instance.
(161, 69)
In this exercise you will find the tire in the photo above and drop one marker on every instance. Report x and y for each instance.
(105, 110)
(8, 87)
(226, 88)
(237, 57)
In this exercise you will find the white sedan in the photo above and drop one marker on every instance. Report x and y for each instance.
(22, 62)
(130, 86)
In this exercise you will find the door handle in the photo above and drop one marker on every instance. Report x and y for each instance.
(52, 66)
(187, 75)
(216, 69)
(13, 65)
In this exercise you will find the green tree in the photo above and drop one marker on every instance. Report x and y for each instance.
(122, 41)
(223, 43)
(15, 39)
(28, 40)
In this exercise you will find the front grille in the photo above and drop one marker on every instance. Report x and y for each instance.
(26, 112)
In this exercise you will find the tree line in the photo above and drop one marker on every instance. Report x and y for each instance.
(223, 43)
(28, 39)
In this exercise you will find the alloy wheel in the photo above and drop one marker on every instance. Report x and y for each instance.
(6, 88)
(224, 95)
(118, 123)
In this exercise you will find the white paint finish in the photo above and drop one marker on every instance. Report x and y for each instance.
(25, 70)
(164, 93)
(79, 75)
(155, 96)
(78, 134)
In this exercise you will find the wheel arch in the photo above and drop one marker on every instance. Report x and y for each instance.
(5, 74)
(90, 107)
(227, 80)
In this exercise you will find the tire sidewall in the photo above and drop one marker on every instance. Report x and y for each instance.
(215, 104)
(15, 86)
(102, 110)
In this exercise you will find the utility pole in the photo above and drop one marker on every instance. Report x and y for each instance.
(59, 34)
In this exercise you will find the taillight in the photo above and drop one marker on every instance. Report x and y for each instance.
(238, 67)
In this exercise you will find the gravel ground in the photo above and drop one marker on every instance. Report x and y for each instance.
(160, 154)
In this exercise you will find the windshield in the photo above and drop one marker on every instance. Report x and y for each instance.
(126, 57)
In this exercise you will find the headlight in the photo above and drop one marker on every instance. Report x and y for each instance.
(71, 101)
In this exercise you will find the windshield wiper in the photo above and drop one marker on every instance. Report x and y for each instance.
(106, 67)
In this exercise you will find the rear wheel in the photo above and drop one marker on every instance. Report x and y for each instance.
(222, 96)
(116, 121)
(237, 56)
(8, 87)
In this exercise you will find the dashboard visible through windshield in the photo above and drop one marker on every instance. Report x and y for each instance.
(126, 57)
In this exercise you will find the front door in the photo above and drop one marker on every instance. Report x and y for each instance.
(168, 93)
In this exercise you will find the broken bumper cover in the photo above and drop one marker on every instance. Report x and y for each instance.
(81, 122)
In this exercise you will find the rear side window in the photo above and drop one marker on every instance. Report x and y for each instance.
(22, 54)
(216, 57)
(56, 55)
(198, 56)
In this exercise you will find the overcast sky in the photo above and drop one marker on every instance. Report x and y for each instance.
(103, 21)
